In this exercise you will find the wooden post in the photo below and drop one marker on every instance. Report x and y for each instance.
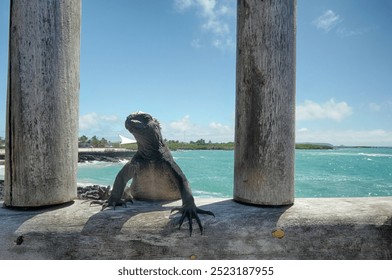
(42, 102)
(265, 102)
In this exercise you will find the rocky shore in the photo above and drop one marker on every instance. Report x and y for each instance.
(1, 190)
(94, 192)
(89, 154)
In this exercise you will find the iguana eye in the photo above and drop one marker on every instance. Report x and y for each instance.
(143, 118)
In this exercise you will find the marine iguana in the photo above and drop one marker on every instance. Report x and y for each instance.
(154, 173)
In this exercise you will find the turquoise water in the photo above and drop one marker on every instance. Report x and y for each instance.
(356, 172)
(344, 173)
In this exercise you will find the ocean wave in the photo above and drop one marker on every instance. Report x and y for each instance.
(2, 172)
(375, 155)
(338, 154)
(85, 184)
(90, 183)
(327, 153)
(98, 162)
(90, 163)
(205, 194)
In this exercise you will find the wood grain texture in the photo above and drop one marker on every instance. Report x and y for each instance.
(265, 102)
(42, 102)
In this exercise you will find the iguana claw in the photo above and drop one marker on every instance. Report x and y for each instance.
(191, 212)
(111, 202)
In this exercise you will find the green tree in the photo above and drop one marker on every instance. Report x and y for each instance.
(83, 139)
(103, 143)
(94, 141)
(201, 142)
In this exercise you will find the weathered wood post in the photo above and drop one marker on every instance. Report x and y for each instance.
(265, 102)
(42, 102)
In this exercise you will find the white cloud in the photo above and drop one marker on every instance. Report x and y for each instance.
(329, 110)
(88, 121)
(109, 118)
(182, 125)
(345, 32)
(216, 16)
(185, 130)
(374, 107)
(327, 21)
(216, 26)
(196, 43)
(224, 10)
(302, 130)
(101, 125)
(183, 4)
(225, 44)
(208, 6)
(221, 129)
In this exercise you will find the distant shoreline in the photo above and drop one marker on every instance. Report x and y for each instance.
(202, 145)
(116, 154)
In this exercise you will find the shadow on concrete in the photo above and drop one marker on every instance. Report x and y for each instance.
(110, 222)
(146, 230)
(228, 215)
(232, 214)
(11, 218)
(41, 209)
(143, 230)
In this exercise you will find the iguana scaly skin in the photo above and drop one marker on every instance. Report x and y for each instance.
(154, 173)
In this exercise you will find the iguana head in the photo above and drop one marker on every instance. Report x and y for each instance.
(145, 128)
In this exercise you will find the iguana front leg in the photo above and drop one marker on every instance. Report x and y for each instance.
(188, 208)
(122, 178)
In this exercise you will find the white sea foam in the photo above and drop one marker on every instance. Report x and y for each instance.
(204, 194)
(339, 153)
(2, 172)
(84, 184)
(100, 164)
(375, 155)
(90, 163)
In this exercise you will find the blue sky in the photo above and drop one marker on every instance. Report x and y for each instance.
(175, 59)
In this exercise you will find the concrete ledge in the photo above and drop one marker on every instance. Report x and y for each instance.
(338, 228)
